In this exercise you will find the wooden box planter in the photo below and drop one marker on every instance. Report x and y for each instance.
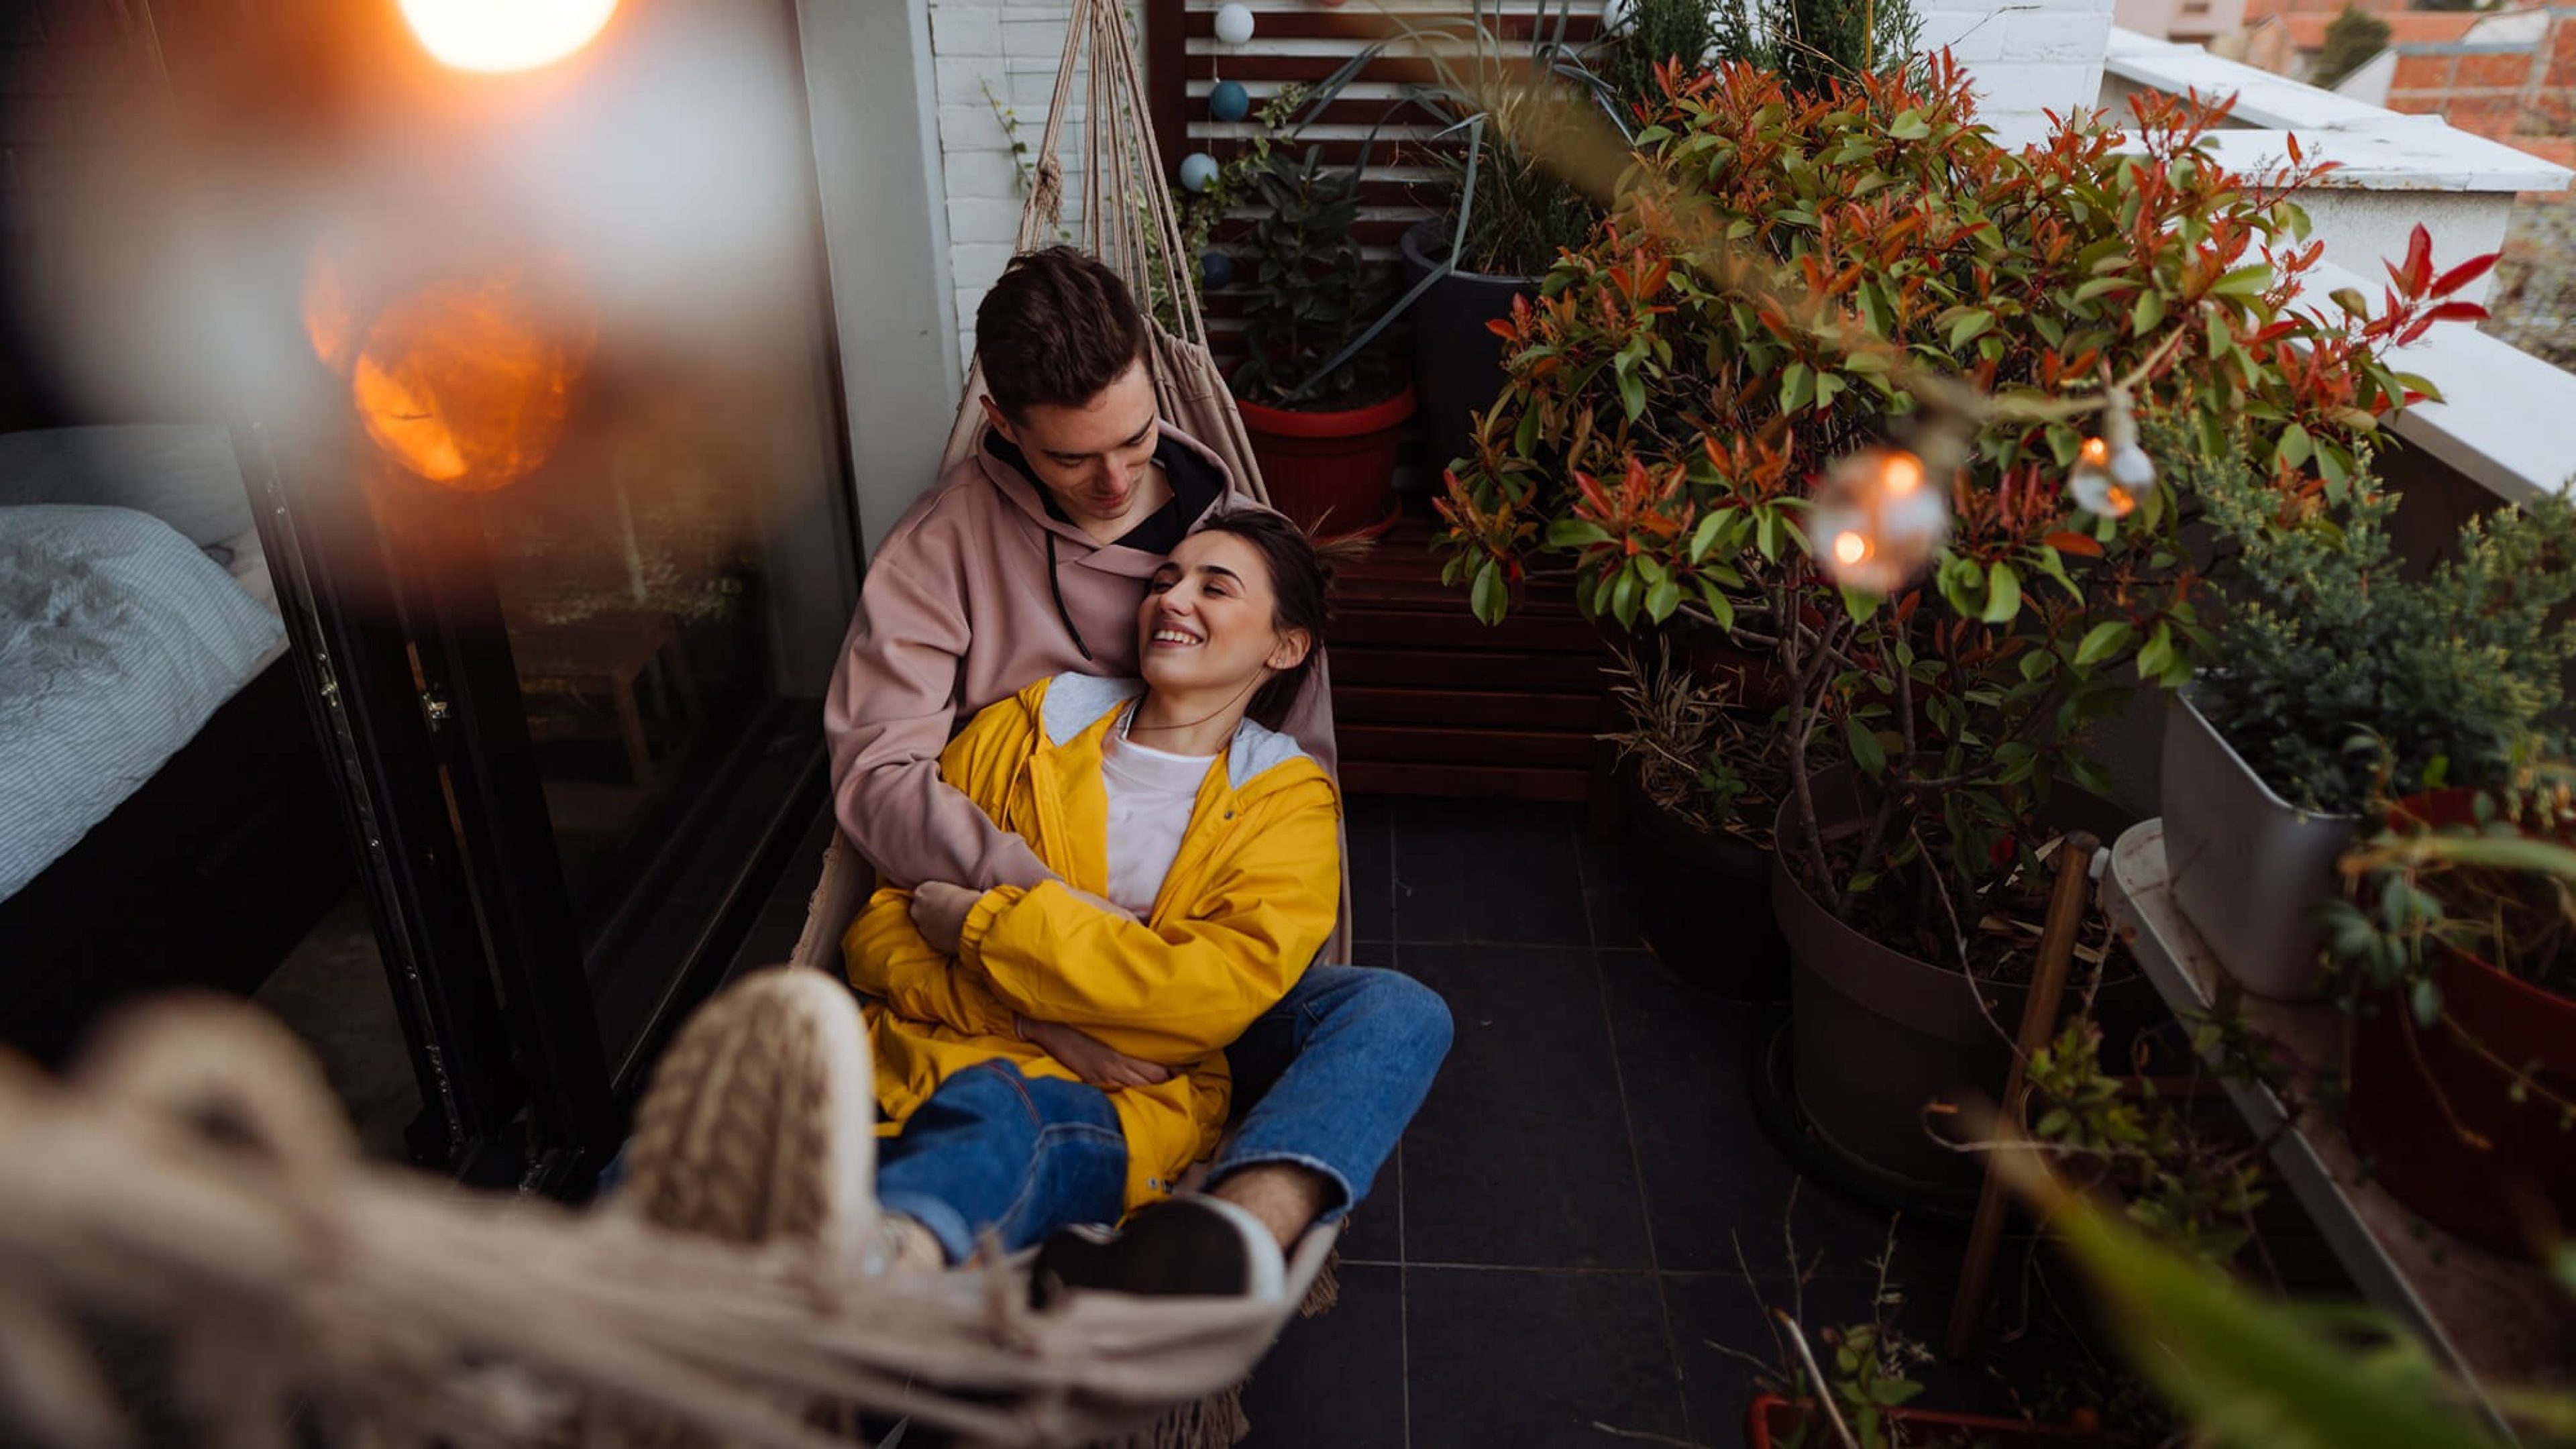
(1427, 701)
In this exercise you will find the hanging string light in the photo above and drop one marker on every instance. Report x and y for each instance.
(1877, 518)
(2111, 470)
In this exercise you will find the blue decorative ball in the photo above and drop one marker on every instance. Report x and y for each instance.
(1229, 101)
(1216, 269)
(1198, 169)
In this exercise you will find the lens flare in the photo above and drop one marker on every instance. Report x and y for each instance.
(505, 35)
(465, 382)
(1850, 548)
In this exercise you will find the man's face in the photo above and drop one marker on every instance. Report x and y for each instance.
(1093, 458)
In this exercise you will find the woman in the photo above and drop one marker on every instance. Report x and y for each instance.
(1055, 1056)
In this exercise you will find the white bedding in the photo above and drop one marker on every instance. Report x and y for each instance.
(119, 637)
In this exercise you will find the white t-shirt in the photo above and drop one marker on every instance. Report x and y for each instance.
(1151, 795)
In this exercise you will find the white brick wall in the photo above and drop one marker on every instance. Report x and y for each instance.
(1009, 49)
(2024, 57)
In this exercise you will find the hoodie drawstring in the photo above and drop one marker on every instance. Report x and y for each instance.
(1056, 586)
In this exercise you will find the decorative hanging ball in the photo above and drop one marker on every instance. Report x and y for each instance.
(1234, 24)
(1198, 169)
(1216, 269)
(1229, 101)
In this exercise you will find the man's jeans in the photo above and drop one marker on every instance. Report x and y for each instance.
(1333, 1073)
(1022, 1156)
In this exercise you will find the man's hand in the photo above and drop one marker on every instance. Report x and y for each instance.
(1100, 1065)
(939, 913)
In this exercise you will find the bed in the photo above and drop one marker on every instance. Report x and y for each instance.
(165, 814)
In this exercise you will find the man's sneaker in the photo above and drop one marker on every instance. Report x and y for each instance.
(1189, 1246)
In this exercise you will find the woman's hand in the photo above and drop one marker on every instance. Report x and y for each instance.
(939, 912)
(1100, 1065)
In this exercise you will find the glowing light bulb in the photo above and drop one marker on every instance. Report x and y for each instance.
(2111, 470)
(1882, 524)
(505, 35)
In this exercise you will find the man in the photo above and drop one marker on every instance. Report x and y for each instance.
(1029, 559)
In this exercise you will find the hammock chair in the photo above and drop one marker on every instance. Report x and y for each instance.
(1129, 223)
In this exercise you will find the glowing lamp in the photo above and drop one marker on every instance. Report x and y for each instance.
(1880, 523)
(505, 35)
(1234, 24)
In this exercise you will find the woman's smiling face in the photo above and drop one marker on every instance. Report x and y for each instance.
(1209, 621)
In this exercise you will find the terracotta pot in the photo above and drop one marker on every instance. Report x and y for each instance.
(1703, 901)
(1773, 1422)
(1876, 1033)
(2520, 1186)
(2248, 866)
(1329, 470)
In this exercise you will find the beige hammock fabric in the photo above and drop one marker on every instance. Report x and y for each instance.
(194, 1178)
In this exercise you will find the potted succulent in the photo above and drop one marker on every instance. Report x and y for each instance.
(2336, 668)
(1750, 321)
(2458, 956)
(1322, 406)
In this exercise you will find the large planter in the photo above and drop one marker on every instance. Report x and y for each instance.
(1775, 1423)
(2248, 867)
(1876, 1033)
(1328, 470)
(2509, 1194)
(1457, 360)
(1703, 902)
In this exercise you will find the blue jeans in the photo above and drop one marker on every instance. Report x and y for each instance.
(1333, 1074)
(1019, 1155)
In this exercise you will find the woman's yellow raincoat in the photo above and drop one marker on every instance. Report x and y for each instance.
(1251, 898)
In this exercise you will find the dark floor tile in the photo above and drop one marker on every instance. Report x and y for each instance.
(1369, 829)
(1521, 1156)
(1337, 1380)
(1468, 870)
(773, 936)
(1507, 1359)
(1608, 893)
(1713, 1176)
(1376, 1233)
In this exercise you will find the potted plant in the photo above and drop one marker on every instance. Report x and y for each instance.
(2328, 640)
(1750, 321)
(2458, 956)
(1322, 409)
(1700, 780)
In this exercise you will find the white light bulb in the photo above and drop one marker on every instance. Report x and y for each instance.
(1234, 24)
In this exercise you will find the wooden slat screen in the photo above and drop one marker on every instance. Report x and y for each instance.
(1301, 40)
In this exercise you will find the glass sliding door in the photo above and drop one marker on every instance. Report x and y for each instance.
(550, 353)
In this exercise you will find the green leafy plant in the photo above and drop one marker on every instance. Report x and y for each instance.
(1313, 293)
(1785, 281)
(1712, 764)
(1812, 45)
(2338, 673)
(2351, 40)
(2499, 888)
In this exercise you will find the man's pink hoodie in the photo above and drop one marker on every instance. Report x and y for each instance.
(958, 611)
